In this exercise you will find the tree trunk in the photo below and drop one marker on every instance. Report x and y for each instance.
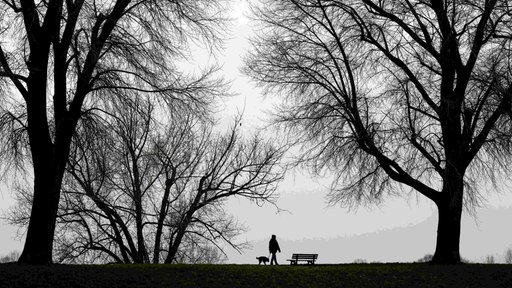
(141, 256)
(175, 242)
(49, 166)
(47, 175)
(161, 216)
(185, 221)
(173, 249)
(448, 237)
(448, 229)
(49, 162)
(39, 242)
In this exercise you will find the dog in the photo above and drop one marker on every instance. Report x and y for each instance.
(262, 259)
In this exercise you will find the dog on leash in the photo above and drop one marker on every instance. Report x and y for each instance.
(262, 259)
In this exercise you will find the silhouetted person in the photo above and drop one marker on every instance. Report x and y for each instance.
(273, 247)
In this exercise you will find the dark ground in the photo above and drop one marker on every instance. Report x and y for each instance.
(343, 275)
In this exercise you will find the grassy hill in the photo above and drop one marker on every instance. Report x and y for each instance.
(343, 275)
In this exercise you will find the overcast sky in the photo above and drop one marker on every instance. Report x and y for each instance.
(401, 229)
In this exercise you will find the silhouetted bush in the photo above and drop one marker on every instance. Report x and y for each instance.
(426, 258)
(11, 257)
(489, 259)
(359, 261)
(429, 257)
(508, 256)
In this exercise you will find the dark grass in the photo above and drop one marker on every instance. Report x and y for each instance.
(343, 275)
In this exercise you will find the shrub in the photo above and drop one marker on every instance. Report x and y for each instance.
(426, 258)
(489, 259)
(359, 261)
(11, 257)
(508, 256)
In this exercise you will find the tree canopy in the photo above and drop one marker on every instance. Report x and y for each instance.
(62, 60)
(393, 94)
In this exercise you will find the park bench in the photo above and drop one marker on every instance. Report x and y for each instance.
(309, 258)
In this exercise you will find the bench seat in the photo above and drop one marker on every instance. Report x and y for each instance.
(309, 258)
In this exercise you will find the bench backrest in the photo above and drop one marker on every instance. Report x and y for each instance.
(305, 256)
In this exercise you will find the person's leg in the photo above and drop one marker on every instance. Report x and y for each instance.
(273, 258)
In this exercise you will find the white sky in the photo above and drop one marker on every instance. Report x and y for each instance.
(399, 230)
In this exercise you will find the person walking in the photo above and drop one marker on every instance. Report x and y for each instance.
(273, 247)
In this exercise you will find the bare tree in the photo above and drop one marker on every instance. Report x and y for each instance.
(229, 167)
(393, 96)
(62, 58)
(137, 188)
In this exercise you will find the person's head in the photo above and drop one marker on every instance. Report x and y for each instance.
(273, 236)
